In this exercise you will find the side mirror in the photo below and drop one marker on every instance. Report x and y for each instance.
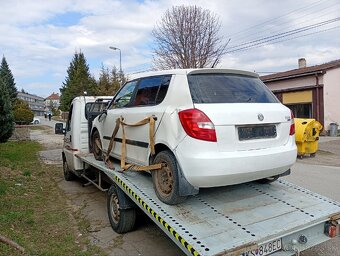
(59, 129)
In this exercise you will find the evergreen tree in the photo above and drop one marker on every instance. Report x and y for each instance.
(77, 81)
(6, 114)
(109, 81)
(22, 112)
(8, 79)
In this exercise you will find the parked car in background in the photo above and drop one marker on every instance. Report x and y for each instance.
(36, 120)
(214, 127)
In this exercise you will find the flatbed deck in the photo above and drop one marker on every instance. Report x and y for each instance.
(232, 220)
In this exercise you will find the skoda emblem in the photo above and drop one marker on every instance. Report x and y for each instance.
(260, 117)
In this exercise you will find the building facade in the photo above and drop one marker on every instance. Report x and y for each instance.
(310, 92)
(52, 101)
(35, 103)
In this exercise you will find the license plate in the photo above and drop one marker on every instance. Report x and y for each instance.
(265, 249)
(256, 132)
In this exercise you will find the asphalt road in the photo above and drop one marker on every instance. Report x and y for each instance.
(45, 121)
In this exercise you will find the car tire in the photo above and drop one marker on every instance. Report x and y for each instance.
(36, 122)
(122, 220)
(165, 180)
(97, 149)
(68, 174)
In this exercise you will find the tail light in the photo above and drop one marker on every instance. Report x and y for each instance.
(292, 125)
(197, 125)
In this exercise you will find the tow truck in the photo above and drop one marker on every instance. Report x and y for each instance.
(250, 219)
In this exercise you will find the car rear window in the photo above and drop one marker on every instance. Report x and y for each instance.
(229, 88)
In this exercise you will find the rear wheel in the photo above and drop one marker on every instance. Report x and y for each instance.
(165, 180)
(68, 174)
(97, 146)
(122, 220)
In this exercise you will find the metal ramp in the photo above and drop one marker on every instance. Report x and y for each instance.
(234, 219)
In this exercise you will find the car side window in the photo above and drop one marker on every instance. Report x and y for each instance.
(151, 90)
(123, 98)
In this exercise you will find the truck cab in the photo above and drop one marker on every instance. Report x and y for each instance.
(82, 111)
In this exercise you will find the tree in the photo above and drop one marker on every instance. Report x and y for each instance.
(8, 79)
(6, 114)
(22, 113)
(77, 81)
(109, 81)
(188, 37)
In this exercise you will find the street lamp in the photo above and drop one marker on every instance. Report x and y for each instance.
(120, 57)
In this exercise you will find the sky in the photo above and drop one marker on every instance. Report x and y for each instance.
(39, 38)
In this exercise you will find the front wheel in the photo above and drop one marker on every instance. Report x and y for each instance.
(68, 174)
(97, 146)
(165, 180)
(122, 220)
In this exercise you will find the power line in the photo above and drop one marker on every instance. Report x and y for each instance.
(266, 30)
(284, 40)
(284, 34)
(270, 20)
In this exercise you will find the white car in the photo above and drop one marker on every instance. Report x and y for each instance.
(214, 127)
(36, 120)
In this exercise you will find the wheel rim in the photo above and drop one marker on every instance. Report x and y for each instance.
(114, 208)
(164, 180)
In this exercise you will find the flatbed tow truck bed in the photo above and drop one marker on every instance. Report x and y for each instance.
(247, 219)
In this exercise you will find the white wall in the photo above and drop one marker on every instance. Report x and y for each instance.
(292, 83)
(332, 97)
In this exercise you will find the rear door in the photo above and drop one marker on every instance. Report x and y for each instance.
(147, 102)
(246, 115)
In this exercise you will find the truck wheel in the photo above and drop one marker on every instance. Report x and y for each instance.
(68, 174)
(122, 220)
(97, 146)
(165, 180)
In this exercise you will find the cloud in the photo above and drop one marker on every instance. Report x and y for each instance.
(40, 37)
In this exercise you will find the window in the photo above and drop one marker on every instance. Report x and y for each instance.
(229, 88)
(301, 110)
(68, 123)
(151, 90)
(122, 99)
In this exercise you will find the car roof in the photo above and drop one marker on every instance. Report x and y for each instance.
(191, 71)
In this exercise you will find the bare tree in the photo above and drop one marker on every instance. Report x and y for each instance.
(188, 37)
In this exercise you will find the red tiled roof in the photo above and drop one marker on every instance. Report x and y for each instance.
(53, 96)
(301, 71)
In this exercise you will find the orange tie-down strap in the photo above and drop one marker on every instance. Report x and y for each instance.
(131, 167)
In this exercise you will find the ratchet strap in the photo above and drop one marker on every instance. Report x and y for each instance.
(125, 167)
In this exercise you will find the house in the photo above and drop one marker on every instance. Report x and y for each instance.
(310, 92)
(52, 101)
(35, 103)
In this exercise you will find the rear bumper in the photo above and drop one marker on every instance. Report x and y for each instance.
(204, 166)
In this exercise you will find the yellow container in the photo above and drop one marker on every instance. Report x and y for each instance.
(307, 136)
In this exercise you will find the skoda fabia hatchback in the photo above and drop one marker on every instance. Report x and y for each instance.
(213, 127)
